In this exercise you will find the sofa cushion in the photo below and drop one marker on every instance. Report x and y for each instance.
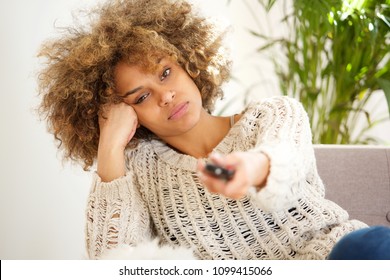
(358, 179)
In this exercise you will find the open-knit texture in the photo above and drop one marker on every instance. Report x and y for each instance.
(162, 196)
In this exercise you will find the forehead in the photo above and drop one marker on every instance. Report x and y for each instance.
(126, 75)
(146, 62)
(142, 67)
(125, 68)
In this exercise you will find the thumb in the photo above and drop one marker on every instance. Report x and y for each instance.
(218, 159)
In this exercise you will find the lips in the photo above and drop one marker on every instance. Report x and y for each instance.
(178, 111)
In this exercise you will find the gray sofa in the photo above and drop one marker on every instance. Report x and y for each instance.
(358, 179)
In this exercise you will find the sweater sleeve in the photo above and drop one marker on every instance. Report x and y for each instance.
(116, 215)
(285, 137)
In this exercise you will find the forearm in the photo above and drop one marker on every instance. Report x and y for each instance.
(110, 163)
(117, 127)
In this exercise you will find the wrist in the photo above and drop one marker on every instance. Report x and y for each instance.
(110, 163)
(262, 168)
(110, 143)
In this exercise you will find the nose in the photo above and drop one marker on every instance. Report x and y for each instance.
(167, 97)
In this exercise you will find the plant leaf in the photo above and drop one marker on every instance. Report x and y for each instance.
(270, 4)
(385, 85)
(257, 34)
(270, 44)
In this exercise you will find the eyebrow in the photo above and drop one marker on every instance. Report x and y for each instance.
(131, 92)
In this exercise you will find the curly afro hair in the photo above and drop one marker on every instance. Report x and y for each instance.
(77, 79)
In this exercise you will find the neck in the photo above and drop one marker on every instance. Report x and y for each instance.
(202, 138)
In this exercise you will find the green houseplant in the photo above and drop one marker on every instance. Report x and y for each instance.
(335, 57)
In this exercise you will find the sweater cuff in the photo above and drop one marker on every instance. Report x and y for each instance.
(281, 190)
(118, 188)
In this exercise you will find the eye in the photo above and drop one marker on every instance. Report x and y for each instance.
(165, 73)
(142, 98)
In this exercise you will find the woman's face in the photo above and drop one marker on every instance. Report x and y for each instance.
(167, 102)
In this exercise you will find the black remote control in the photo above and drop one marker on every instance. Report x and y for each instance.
(219, 172)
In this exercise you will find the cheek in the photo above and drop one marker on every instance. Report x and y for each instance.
(148, 119)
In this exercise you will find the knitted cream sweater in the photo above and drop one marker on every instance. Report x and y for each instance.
(161, 195)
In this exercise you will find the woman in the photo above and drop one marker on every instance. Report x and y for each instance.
(134, 93)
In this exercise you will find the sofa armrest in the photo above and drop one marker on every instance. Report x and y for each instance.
(358, 179)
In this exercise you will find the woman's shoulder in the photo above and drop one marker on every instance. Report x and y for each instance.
(278, 101)
(274, 105)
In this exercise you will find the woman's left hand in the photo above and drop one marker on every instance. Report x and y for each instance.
(251, 169)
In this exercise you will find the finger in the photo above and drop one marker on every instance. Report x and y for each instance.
(235, 189)
(131, 135)
(229, 161)
(238, 185)
(217, 158)
(213, 184)
(200, 165)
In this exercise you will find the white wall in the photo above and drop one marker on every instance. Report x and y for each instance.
(251, 71)
(42, 202)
